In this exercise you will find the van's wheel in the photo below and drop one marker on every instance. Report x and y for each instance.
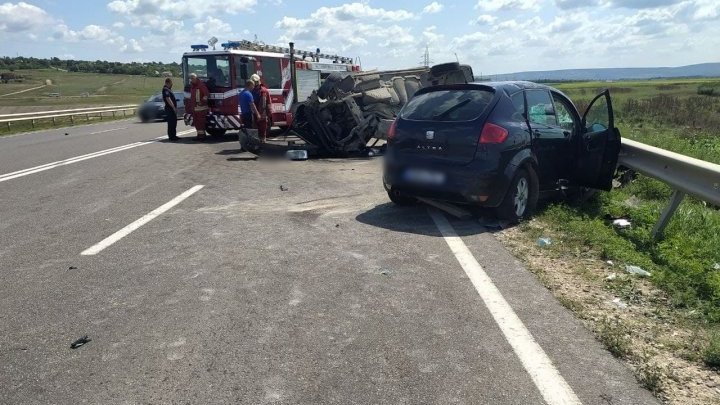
(521, 198)
(401, 199)
(216, 131)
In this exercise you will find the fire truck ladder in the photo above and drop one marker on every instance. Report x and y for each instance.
(246, 45)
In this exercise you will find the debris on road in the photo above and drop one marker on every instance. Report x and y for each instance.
(80, 342)
(451, 209)
(622, 223)
(72, 268)
(282, 188)
(296, 154)
(619, 303)
(637, 271)
(542, 242)
(66, 134)
(386, 272)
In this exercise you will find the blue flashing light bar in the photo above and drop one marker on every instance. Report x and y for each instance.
(199, 47)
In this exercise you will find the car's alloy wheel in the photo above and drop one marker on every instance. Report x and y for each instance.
(522, 194)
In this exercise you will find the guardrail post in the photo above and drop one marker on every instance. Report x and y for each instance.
(667, 214)
(54, 121)
(32, 123)
(72, 119)
(87, 117)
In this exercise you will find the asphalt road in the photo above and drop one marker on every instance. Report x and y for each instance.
(274, 283)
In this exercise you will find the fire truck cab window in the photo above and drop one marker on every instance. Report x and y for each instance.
(209, 68)
(271, 73)
(243, 70)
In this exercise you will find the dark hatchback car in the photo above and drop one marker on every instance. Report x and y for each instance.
(154, 108)
(500, 145)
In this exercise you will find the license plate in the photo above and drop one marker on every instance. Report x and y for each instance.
(422, 176)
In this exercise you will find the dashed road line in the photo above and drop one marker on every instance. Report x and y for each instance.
(105, 243)
(553, 387)
(76, 159)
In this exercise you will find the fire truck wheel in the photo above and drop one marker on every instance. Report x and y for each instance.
(216, 131)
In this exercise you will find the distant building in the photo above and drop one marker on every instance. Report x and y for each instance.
(167, 74)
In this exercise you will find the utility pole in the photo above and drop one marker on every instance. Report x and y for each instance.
(426, 57)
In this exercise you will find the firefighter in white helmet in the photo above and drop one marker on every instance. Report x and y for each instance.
(261, 97)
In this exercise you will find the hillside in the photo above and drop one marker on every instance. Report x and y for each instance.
(700, 70)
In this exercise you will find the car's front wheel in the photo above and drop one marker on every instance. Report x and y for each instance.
(400, 199)
(521, 198)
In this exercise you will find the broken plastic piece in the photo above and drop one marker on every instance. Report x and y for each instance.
(542, 242)
(622, 223)
(80, 342)
(611, 277)
(637, 270)
(618, 303)
(296, 155)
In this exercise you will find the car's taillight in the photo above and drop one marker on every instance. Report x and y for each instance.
(391, 131)
(492, 133)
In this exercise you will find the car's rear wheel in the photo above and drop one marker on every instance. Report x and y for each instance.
(400, 199)
(521, 198)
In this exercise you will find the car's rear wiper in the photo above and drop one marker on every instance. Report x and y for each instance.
(451, 109)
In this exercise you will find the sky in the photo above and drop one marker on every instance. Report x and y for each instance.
(493, 36)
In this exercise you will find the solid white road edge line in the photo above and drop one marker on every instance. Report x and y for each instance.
(554, 389)
(48, 166)
(140, 222)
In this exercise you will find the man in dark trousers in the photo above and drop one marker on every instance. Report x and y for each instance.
(170, 109)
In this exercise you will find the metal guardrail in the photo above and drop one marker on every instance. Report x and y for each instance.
(8, 119)
(684, 174)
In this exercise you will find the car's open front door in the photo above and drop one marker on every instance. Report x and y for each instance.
(598, 146)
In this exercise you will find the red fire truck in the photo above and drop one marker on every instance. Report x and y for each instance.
(289, 74)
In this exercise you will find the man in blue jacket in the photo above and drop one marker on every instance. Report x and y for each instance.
(248, 111)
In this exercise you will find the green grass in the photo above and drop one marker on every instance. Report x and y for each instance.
(711, 353)
(76, 90)
(669, 114)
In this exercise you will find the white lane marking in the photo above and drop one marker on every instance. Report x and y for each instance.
(554, 389)
(102, 245)
(33, 170)
(107, 130)
(48, 166)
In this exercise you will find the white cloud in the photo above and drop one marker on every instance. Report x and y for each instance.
(119, 25)
(132, 46)
(23, 17)
(179, 9)
(92, 32)
(501, 5)
(485, 19)
(433, 8)
(212, 26)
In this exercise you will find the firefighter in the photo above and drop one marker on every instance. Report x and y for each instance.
(261, 97)
(248, 111)
(199, 102)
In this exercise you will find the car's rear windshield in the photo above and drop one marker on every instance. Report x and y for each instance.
(448, 105)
